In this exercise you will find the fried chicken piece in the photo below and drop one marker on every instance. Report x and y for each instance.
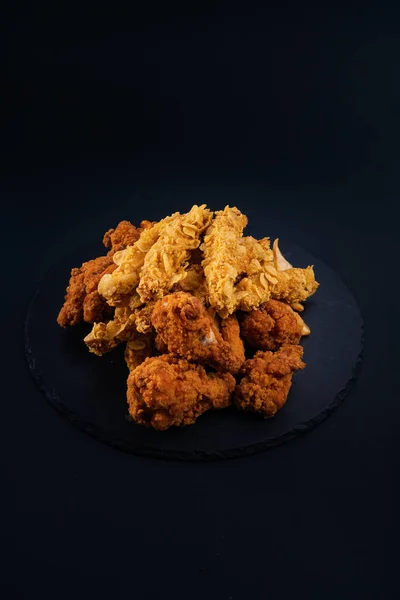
(294, 285)
(221, 257)
(95, 308)
(267, 379)
(166, 391)
(271, 326)
(257, 273)
(119, 286)
(104, 337)
(183, 324)
(82, 300)
(242, 273)
(78, 305)
(230, 331)
(166, 261)
(138, 348)
(239, 270)
(71, 312)
(124, 235)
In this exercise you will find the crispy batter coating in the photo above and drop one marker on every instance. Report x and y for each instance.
(271, 326)
(194, 282)
(257, 274)
(104, 337)
(220, 264)
(95, 308)
(137, 349)
(166, 391)
(294, 285)
(242, 273)
(163, 290)
(125, 234)
(166, 261)
(118, 286)
(239, 270)
(267, 379)
(230, 331)
(187, 329)
(80, 301)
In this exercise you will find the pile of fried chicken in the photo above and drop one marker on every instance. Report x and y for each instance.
(208, 316)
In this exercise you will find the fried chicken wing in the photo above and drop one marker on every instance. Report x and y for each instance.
(185, 327)
(271, 326)
(267, 379)
(166, 391)
(124, 235)
(81, 300)
(166, 261)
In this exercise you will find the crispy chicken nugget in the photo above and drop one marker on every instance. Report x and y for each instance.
(267, 379)
(166, 391)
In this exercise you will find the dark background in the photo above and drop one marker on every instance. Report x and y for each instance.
(292, 114)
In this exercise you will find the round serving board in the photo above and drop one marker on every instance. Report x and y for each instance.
(91, 391)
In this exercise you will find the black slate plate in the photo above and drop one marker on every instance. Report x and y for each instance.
(90, 390)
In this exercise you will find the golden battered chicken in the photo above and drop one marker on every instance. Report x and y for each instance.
(166, 391)
(119, 286)
(271, 326)
(242, 273)
(194, 282)
(82, 300)
(221, 258)
(104, 337)
(124, 235)
(257, 274)
(239, 270)
(166, 261)
(267, 379)
(294, 285)
(185, 327)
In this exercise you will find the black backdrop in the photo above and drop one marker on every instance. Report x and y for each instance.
(290, 112)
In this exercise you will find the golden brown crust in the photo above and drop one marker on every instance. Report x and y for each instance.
(83, 282)
(105, 336)
(166, 261)
(185, 327)
(172, 288)
(294, 285)
(271, 326)
(82, 300)
(124, 235)
(230, 331)
(166, 391)
(267, 379)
